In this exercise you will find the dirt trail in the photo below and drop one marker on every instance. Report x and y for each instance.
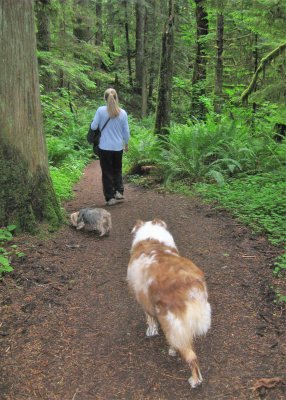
(70, 330)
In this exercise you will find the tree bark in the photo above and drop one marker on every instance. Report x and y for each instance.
(43, 24)
(163, 111)
(219, 64)
(42, 10)
(27, 195)
(140, 59)
(261, 68)
(140, 45)
(200, 66)
(154, 18)
(99, 33)
(128, 49)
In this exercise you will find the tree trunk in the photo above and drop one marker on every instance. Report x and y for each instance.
(43, 24)
(256, 59)
(200, 70)
(140, 44)
(140, 59)
(111, 12)
(42, 9)
(128, 49)
(261, 68)
(27, 195)
(99, 34)
(81, 29)
(154, 12)
(165, 75)
(219, 64)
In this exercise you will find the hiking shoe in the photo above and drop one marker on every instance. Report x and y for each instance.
(119, 196)
(111, 202)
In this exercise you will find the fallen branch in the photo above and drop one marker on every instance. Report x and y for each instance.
(264, 62)
(267, 383)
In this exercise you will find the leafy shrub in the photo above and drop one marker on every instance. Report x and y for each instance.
(258, 201)
(63, 178)
(6, 236)
(144, 148)
(214, 152)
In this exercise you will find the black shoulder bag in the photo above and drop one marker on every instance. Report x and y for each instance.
(93, 137)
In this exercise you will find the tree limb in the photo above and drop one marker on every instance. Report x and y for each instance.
(264, 62)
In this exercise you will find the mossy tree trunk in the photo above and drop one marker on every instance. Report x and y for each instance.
(141, 56)
(42, 11)
(26, 191)
(163, 111)
(219, 64)
(128, 48)
(200, 68)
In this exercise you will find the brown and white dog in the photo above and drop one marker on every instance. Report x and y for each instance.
(171, 289)
(92, 219)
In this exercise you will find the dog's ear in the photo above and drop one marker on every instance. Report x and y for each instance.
(157, 221)
(73, 218)
(138, 224)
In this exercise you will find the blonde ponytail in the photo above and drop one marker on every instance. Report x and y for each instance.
(111, 99)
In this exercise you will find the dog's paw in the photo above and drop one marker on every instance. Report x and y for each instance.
(195, 383)
(152, 331)
(172, 352)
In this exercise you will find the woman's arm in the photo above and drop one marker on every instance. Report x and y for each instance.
(125, 128)
(95, 122)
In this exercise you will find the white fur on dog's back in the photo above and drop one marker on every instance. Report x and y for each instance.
(153, 231)
(137, 273)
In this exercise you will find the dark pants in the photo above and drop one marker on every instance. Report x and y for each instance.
(111, 168)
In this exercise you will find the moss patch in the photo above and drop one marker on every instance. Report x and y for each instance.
(25, 198)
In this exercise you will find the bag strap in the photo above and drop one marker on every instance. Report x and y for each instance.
(105, 124)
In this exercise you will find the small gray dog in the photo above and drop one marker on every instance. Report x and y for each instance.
(93, 219)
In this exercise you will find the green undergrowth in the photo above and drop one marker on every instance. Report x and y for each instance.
(259, 202)
(65, 176)
(7, 250)
(66, 127)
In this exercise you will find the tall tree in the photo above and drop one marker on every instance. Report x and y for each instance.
(166, 74)
(99, 32)
(140, 59)
(42, 10)
(27, 194)
(43, 24)
(219, 64)
(200, 67)
(265, 62)
(128, 48)
(81, 30)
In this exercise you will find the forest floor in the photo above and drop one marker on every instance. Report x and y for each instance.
(70, 329)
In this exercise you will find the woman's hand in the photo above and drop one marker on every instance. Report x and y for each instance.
(126, 148)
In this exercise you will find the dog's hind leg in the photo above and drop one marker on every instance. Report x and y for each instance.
(190, 356)
(152, 323)
(172, 351)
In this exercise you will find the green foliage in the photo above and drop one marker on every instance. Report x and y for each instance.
(208, 151)
(258, 201)
(75, 71)
(66, 130)
(213, 152)
(6, 236)
(65, 177)
(144, 148)
(280, 264)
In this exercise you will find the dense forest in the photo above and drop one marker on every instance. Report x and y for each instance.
(203, 82)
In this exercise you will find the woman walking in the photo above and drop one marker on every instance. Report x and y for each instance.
(114, 138)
